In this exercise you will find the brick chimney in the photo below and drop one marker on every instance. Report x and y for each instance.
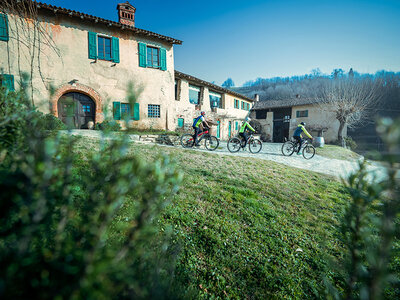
(126, 13)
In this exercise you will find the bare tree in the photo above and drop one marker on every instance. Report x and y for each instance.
(352, 100)
(29, 37)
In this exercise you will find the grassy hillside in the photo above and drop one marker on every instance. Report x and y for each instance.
(248, 228)
(337, 152)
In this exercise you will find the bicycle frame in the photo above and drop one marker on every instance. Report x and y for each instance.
(200, 136)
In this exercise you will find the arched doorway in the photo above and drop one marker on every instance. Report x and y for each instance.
(76, 110)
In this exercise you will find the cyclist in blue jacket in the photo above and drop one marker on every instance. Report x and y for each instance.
(196, 126)
(297, 135)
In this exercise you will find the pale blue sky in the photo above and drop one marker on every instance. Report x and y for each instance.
(267, 38)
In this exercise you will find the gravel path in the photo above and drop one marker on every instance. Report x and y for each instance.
(272, 152)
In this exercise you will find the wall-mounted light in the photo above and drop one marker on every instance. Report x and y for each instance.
(73, 82)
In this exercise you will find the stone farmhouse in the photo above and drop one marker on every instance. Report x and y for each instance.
(279, 119)
(91, 64)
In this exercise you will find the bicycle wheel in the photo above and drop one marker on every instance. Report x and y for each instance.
(212, 143)
(255, 146)
(288, 148)
(234, 145)
(187, 140)
(308, 152)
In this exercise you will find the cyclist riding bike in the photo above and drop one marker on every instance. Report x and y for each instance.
(245, 127)
(196, 126)
(297, 135)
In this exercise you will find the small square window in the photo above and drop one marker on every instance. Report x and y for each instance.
(154, 111)
(302, 114)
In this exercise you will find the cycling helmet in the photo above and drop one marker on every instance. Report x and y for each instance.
(203, 113)
(303, 123)
(247, 119)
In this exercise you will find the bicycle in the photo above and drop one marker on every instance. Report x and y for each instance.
(235, 143)
(211, 142)
(289, 147)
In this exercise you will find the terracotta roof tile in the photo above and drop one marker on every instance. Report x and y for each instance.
(211, 85)
(73, 13)
(283, 103)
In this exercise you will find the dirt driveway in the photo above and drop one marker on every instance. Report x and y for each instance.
(272, 152)
(320, 164)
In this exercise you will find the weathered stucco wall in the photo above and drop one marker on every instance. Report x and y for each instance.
(317, 117)
(71, 66)
(188, 111)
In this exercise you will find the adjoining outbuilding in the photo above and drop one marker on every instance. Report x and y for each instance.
(279, 118)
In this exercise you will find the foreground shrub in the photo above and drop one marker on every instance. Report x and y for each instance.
(108, 125)
(370, 228)
(60, 235)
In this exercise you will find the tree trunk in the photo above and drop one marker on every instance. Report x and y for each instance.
(340, 134)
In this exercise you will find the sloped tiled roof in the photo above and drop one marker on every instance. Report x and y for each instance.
(283, 103)
(83, 16)
(210, 85)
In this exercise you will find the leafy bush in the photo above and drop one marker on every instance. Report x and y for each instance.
(350, 143)
(60, 232)
(51, 123)
(369, 228)
(108, 125)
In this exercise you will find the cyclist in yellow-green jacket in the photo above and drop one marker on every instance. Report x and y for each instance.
(242, 132)
(297, 135)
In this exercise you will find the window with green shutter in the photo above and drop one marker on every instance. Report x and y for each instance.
(4, 36)
(152, 57)
(103, 47)
(7, 81)
(117, 110)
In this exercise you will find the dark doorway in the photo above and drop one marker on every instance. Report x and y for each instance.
(76, 110)
(281, 124)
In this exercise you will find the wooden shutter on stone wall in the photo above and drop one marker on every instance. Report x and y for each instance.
(92, 37)
(136, 112)
(4, 28)
(142, 55)
(117, 110)
(163, 59)
(115, 50)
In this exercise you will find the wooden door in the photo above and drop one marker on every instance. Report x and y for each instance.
(76, 110)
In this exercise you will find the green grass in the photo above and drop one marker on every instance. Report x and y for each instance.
(337, 152)
(248, 228)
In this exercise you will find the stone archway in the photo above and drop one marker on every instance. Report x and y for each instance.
(78, 88)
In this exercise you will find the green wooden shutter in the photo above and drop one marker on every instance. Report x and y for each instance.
(142, 55)
(163, 59)
(136, 112)
(8, 82)
(4, 28)
(115, 50)
(117, 110)
(92, 45)
(180, 122)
